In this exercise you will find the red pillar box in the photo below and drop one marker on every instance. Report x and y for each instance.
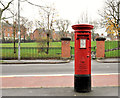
(82, 78)
(100, 50)
(65, 47)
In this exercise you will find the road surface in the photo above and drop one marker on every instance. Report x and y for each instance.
(48, 69)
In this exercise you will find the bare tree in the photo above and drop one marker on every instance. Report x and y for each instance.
(47, 15)
(96, 24)
(62, 25)
(23, 26)
(41, 41)
(110, 16)
(29, 26)
(83, 18)
(5, 7)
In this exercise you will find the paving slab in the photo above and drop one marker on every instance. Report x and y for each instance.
(60, 91)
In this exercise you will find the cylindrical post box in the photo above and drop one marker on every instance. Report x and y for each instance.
(82, 77)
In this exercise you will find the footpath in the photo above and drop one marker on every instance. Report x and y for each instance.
(61, 85)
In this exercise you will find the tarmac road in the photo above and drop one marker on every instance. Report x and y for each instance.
(47, 69)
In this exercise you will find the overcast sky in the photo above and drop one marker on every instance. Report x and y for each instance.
(67, 9)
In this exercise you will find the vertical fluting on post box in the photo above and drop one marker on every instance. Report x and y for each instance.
(82, 77)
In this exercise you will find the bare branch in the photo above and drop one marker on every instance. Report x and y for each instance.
(62, 25)
(7, 5)
(10, 11)
(2, 4)
(110, 10)
(42, 7)
(7, 17)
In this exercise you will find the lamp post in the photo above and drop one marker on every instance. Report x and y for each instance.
(119, 20)
(18, 29)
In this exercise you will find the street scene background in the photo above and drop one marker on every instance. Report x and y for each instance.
(31, 33)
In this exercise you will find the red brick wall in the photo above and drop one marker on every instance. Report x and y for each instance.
(65, 49)
(100, 51)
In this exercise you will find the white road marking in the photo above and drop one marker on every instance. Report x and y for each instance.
(53, 75)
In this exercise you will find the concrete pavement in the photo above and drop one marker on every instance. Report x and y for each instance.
(61, 91)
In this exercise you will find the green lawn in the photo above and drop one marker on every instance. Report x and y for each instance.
(34, 44)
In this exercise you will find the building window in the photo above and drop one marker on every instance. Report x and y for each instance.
(16, 35)
(12, 34)
(8, 35)
(8, 29)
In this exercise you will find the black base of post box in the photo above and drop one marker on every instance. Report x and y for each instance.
(82, 83)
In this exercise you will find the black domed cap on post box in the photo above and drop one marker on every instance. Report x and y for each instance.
(100, 39)
(83, 27)
(66, 39)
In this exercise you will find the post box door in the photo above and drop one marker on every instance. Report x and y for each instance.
(83, 55)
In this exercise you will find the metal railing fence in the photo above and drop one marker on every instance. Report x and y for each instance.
(30, 53)
(112, 49)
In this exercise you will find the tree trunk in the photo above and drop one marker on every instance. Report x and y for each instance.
(1, 30)
(1, 36)
(24, 38)
(24, 35)
(47, 43)
(14, 37)
(48, 35)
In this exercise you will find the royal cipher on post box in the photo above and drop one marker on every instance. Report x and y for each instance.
(82, 77)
